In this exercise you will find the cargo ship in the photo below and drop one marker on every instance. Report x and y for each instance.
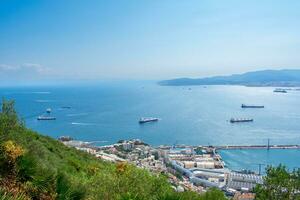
(235, 120)
(148, 119)
(280, 90)
(251, 106)
(46, 118)
(66, 107)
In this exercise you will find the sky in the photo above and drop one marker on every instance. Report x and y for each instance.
(145, 39)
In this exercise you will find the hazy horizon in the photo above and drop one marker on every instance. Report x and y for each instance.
(145, 40)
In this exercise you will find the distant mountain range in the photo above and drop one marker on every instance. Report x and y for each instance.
(276, 78)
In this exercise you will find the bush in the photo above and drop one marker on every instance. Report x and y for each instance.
(279, 184)
(44, 168)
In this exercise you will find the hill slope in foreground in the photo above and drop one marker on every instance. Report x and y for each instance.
(33, 166)
(277, 78)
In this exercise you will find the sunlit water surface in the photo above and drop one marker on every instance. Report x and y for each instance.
(198, 115)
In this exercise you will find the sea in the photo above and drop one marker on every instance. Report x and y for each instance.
(104, 112)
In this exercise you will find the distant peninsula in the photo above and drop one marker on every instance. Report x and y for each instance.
(272, 78)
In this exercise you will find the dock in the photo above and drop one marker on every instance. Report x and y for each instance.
(240, 147)
(258, 147)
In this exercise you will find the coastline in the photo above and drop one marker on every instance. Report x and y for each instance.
(195, 168)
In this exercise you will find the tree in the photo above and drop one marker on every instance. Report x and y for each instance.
(214, 194)
(279, 184)
(8, 107)
(8, 116)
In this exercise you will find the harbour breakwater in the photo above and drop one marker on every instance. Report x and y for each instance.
(239, 147)
(257, 147)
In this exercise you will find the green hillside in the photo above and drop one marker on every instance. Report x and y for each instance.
(33, 166)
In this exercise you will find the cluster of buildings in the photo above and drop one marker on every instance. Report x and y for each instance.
(140, 154)
(204, 167)
(193, 168)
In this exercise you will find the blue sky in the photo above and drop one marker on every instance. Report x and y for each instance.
(141, 39)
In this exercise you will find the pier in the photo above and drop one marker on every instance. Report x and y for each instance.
(258, 147)
(240, 147)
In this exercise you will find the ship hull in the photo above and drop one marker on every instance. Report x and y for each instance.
(240, 120)
(142, 121)
(245, 106)
(280, 90)
(46, 118)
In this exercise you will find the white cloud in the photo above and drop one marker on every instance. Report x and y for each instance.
(35, 67)
(5, 67)
(25, 67)
(25, 71)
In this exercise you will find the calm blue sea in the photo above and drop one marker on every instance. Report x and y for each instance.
(251, 159)
(198, 115)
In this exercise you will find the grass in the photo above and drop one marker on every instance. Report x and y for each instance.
(33, 166)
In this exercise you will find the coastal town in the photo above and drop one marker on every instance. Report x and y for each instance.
(195, 168)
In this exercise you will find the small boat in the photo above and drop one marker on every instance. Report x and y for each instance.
(46, 118)
(66, 107)
(48, 110)
(148, 119)
(235, 120)
(65, 138)
(280, 90)
(251, 106)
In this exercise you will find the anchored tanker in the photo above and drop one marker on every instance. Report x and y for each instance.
(251, 106)
(46, 118)
(280, 90)
(148, 119)
(234, 120)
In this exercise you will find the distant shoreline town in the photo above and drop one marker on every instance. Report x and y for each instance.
(187, 167)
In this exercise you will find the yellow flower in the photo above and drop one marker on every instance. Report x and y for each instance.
(121, 167)
(12, 150)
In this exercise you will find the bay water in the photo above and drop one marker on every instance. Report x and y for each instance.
(108, 111)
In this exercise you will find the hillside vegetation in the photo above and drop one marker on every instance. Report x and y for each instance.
(279, 184)
(33, 166)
